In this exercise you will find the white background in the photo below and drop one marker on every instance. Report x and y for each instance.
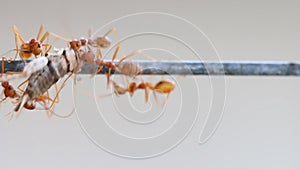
(260, 127)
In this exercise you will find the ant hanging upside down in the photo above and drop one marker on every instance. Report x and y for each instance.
(163, 87)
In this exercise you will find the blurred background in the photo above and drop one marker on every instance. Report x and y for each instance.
(260, 125)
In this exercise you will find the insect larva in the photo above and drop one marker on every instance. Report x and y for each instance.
(58, 65)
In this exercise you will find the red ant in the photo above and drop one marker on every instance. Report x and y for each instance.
(129, 68)
(163, 86)
(34, 46)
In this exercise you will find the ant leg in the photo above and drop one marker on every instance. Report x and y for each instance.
(17, 46)
(17, 38)
(116, 52)
(8, 52)
(165, 100)
(47, 48)
(60, 88)
(98, 70)
(50, 111)
(44, 105)
(40, 33)
(156, 100)
(110, 31)
(116, 37)
(2, 100)
(56, 89)
(108, 77)
(57, 36)
(109, 69)
(18, 34)
(99, 53)
(146, 94)
(47, 45)
(22, 84)
(43, 99)
(128, 56)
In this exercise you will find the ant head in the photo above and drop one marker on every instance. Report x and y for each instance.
(83, 41)
(35, 47)
(5, 84)
(103, 42)
(75, 44)
(30, 106)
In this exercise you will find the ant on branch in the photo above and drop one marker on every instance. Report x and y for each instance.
(163, 87)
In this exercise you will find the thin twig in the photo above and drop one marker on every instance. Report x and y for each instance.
(196, 68)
